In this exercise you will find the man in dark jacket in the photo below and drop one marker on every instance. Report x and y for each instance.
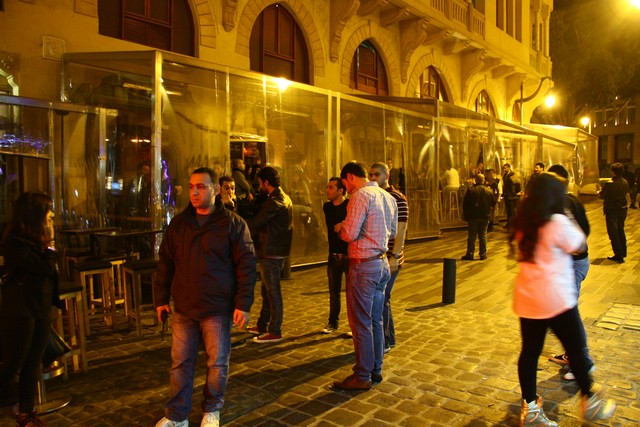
(208, 265)
(614, 194)
(476, 210)
(273, 224)
(511, 192)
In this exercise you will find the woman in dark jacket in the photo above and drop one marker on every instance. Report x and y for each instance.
(27, 296)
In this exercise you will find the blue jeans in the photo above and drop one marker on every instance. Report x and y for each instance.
(215, 332)
(366, 282)
(387, 316)
(271, 314)
(477, 227)
(580, 269)
(335, 269)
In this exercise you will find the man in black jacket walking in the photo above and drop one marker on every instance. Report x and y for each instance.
(476, 209)
(208, 266)
(273, 224)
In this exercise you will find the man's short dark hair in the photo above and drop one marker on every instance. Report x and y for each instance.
(540, 164)
(507, 165)
(559, 170)
(224, 179)
(270, 175)
(339, 184)
(208, 171)
(353, 168)
(617, 169)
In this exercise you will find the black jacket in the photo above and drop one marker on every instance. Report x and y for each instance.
(577, 210)
(477, 203)
(32, 283)
(209, 269)
(614, 194)
(273, 224)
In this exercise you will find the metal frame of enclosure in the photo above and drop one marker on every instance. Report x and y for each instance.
(179, 113)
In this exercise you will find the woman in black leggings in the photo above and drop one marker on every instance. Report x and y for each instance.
(546, 296)
(27, 297)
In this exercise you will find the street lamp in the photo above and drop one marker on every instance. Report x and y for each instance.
(586, 123)
(522, 99)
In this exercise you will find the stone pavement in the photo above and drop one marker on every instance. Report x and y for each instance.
(454, 365)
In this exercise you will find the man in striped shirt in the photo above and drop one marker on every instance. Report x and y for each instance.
(372, 219)
(379, 172)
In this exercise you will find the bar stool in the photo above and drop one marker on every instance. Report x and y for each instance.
(454, 206)
(72, 256)
(45, 404)
(73, 327)
(87, 272)
(135, 269)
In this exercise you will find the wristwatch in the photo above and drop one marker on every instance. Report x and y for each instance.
(395, 256)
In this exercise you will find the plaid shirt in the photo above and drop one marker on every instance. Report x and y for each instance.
(372, 219)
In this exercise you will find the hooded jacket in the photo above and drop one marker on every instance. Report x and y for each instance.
(209, 270)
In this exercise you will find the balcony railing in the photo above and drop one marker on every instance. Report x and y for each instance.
(462, 13)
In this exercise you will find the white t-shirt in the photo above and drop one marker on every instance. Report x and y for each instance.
(546, 287)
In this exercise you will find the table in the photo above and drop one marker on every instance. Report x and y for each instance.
(129, 237)
(78, 233)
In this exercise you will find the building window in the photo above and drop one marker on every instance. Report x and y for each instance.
(484, 105)
(277, 46)
(500, 14)
(368, 73)
(161, 24)
(631, 115)
(623, 147)
(431, 85)
(599, 118)
(603, 149)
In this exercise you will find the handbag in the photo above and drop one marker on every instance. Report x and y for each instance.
(56, 347)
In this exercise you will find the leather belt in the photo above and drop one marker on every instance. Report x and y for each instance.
(359, 260)
(338, 257)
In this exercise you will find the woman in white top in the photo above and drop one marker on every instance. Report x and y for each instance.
(545, 297)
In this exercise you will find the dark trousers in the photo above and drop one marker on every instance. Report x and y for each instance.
(510, 209)
(23, 343)
(615, 229)
(570, 331)
(271, 314)
(337, 267)
(477, 228)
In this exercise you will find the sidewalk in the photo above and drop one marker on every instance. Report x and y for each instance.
(454, 365)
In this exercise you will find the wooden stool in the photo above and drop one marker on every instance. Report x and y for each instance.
(87, 271)
(453, 205)
(133, 295)
(72, 256)
(73, 328)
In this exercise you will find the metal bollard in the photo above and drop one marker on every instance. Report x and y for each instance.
(449, 281)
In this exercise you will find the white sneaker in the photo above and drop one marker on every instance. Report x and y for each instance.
(569, 376)
(210, 419)
(166, 422)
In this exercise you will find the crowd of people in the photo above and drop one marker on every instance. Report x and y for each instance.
(213, 249)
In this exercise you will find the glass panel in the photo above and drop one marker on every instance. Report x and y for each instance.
(161, 10)
(135, 6)
(194, 131)
(297, 120)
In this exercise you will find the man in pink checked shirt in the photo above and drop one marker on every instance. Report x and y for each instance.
(372, 219)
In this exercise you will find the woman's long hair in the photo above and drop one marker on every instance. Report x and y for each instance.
(547, 197)
(29, 216)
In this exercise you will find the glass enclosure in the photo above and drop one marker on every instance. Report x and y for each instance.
(170, 114)
(54, 148)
